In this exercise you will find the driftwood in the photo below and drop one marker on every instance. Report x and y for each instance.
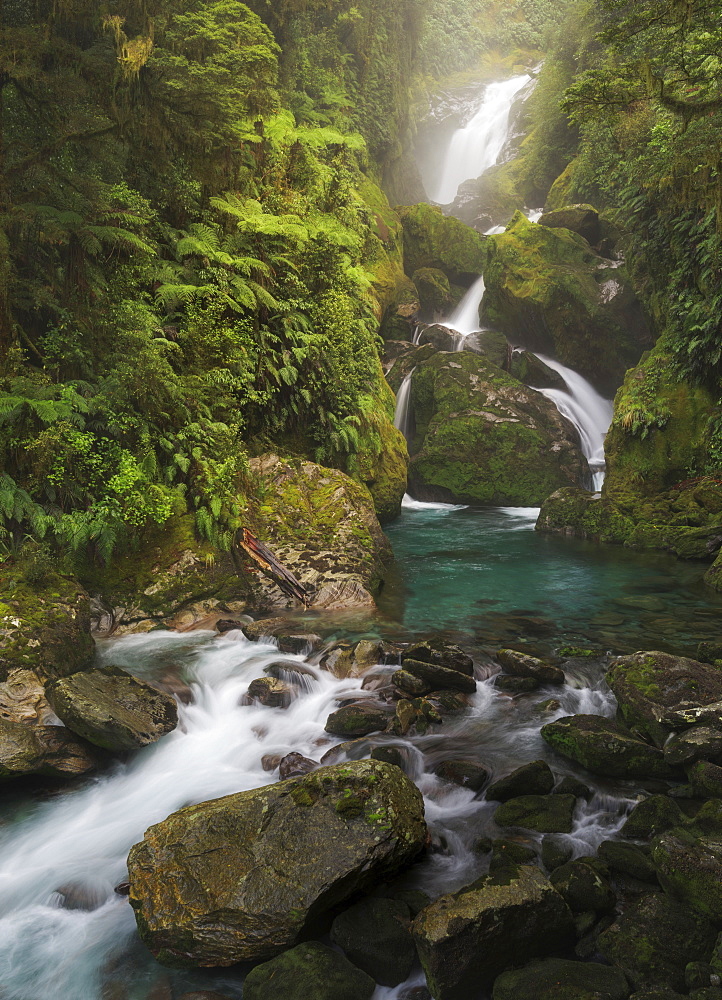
(260, 553)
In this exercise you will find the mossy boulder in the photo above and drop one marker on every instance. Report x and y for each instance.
(653, 815)
(535, 778)
(584, 884)
(241, 878)
(375, 935)
(628, 859)
(441, 652)
(49, 751)
(658, 692)
(483, 437)
(690, 870)
(713, 576)
(654, 939)
(706, 778)
(547, 290)
(402, 310)
(435, 240)
(696, 743)
(323, 527)
(357, 720)
(43, 628)
(560, 979)
(435, 294)
(529, 369)
(605, 747)
(543, 813)
(523, 665)
(466, 939)
(580, 219)
(308, 970)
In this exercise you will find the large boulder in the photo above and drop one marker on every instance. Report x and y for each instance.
(50, 751)
(483, 437)
(242, 877)
(307, 971)
(467, 938)
(658, 692)
(375, 935)
(113, 709)
(548, 290)
(604, 747)
(435, 240)
(691, 871)
(580, 219)
(560, 979)
(654, 939)
(44, 627)
(544, 813)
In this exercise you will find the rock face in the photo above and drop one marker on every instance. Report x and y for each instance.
(466, 939)
(322, 526)
(658, 692)
(306, 971)
(559, 979)
(52, 751)
(547, 289)
(239, 878)
(604, 747)
(483, 437)
(113, 709)
(435, 240)
(44, 629)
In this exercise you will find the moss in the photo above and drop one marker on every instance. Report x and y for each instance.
(434, 240)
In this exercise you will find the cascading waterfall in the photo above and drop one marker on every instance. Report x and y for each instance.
(403, 399)
(590, 413)
(465, 318)
(476, 147)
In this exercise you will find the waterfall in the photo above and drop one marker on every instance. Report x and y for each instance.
(476, 147)
(465, 318)
(590, 413)
(401, 416)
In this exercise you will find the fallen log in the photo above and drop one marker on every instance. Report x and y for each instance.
(264, 558)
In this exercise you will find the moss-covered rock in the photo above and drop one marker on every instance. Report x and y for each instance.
(584, 884)
(604, 747)
(308, 970)
(113, 709)
(628, 859)
(658, 692)
(357, 720)
(50, 751)
(466, 939)
(547, 289)
(696, 743)
(651, 816)
(435, 240)
(375, 935)
(523, 665)
(654, 939)
(240, 878)
(713, 576)
(706, 778)
(690, 870)
(435, 294)
(543, 813)
(323, 527)
(580, 219)
(535, 778)
(483, 437)
(529, 369)
(560, 979)
(43, 628)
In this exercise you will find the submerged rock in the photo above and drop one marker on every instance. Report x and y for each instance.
(308, 970)
(466, 939)
(113, 709)
(560, 979)
(604, 747)
(658, 692)
(375, 934)
(51, 751)
(240, 878)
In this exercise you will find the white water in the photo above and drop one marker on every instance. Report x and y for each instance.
(408, 503)
(590, 413)
(465, 318)
(476, 147)
(403, 399)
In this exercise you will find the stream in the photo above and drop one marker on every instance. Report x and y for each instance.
(483, 577)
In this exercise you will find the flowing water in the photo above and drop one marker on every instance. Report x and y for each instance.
(465, 318)
(403, 399)
(590, 413)
(476, 146)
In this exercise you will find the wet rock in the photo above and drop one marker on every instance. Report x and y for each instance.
(523, 665)
(700, 976)
(367, 653)
(696, 743)
(535, 778)
(405, 716)
(510, 853)
(290, 670)
(654, 939)
(467, 773)
(52, 751)
(308, 970)
(575, 787)
(466, 939)
(440, 678)
(653, 815)
(629, 859)
(339, 661)
(293, 765)
(605, 747)
(531, 371)
(441, 338)
(82, 896)
(555, 852)
(710, 651)
(270, 691)
(270, 761)
(390, 755)
(434, 240)
(543, 813)
(516, 685)
(657, 993)
(224, 625)
(375, 935)
(239, 878)
(415, 993)
(559, 979)
(691, 871)
(22, 698)
(658, 692)
(113, 709)
(706, 777)
(585, 885)
(357, 720)
(283, 633)
(410, 683)
(444, 654)
(707, 993)
(582, 219)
